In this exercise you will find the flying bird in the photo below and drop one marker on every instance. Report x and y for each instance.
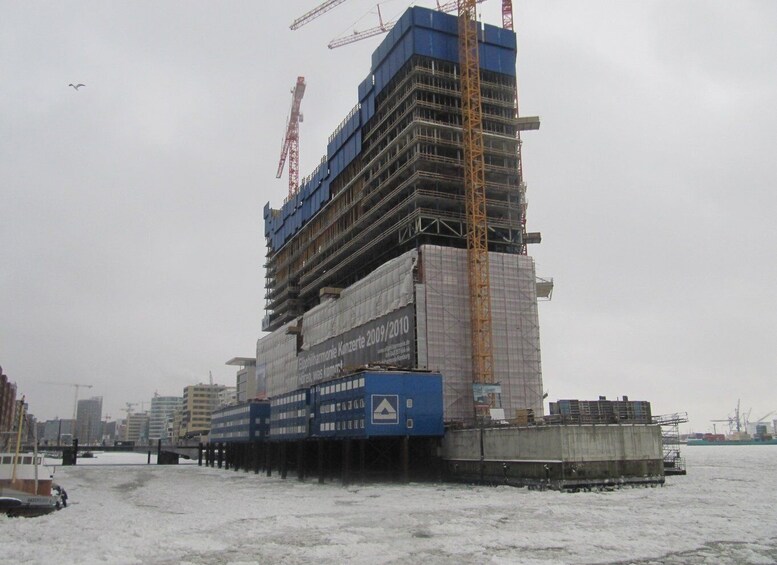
(76, 86)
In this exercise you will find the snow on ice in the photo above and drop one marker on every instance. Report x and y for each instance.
(723, 511)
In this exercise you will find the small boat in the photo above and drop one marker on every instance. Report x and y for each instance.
(22, 491)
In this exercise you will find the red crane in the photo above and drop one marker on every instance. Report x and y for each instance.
(290, 146)
(507, 14)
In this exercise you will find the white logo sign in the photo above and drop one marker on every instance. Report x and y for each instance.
(384, 409)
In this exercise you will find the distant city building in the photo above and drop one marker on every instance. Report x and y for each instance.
(246, 377)
(199, 402)
(7, 406)
(57, 432)
(600, 411)
(137, 428)
(177, 430)
(110, 432)
(162, 410)
(89, 420)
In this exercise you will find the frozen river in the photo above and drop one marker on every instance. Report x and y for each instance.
(723, 511)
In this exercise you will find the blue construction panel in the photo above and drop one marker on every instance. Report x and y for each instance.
(499, 36)
(368, 107)
(349, 151)
(497, 59)
(437, 20)
(378, 403)
(365, 88)
(334, 165)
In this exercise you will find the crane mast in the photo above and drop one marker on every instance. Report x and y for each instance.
(475, 194)
(290, 147)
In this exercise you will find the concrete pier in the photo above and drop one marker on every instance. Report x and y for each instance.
(558, 457)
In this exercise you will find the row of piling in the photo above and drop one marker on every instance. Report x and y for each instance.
(345, 460)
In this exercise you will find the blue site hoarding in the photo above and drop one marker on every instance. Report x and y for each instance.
(420, 31)
(378, 404)
(248, 421)
(360, 405)
(289, 414)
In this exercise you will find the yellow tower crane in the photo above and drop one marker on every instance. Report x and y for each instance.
(475, 196)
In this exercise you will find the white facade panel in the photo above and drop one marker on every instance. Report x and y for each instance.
(386, 289)
(276, 363)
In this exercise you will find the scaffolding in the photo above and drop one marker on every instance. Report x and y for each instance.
(431, 287)
(674, 464)
(405, 188)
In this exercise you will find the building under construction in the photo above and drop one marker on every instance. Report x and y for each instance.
(385, 213)
(406, 249)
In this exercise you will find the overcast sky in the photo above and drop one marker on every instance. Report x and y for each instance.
(131, 239)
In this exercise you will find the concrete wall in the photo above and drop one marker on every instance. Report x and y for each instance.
(561, 443)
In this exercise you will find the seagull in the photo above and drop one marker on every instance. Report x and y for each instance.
(76, 86)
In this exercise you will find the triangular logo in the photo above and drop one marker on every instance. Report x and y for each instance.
(386, 411)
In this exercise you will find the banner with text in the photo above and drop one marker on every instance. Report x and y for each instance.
(389, 339)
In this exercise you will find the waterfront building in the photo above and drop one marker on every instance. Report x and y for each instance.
(162, 410)
(199, 402)
(245, 378)
(137, 427)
